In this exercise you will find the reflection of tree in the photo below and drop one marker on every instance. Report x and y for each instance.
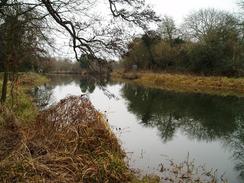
(168, 127)
(87, 86)
(62, 79)
(236, 141)
(200, 116)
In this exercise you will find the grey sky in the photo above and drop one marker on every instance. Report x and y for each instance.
(178, 9)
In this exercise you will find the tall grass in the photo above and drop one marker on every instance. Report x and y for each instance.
(55, 149)
(189, 83)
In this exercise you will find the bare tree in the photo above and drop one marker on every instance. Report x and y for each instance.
(97, 32)
(168, 29)
(93, 30)
(198, 24)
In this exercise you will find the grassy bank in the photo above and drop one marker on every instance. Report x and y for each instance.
(21, 102)
(70, 142)
(186, 83)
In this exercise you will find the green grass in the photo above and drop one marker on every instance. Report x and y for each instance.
(189, 83)
(21, 104)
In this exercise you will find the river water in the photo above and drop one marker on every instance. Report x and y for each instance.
(155, 125)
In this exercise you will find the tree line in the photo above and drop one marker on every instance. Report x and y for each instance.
(27, 29)
(209, 42)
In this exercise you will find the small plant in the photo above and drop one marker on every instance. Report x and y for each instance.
(188, 172)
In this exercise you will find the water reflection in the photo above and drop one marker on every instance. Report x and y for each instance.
(88, 84)
(201, 117)
(44, 95)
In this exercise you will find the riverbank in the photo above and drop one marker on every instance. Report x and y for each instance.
(185, 83)
(21, 102)
(69, 142)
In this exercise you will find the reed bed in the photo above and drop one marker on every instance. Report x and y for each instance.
(69, 142)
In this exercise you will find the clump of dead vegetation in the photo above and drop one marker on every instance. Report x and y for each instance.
(69, 142)
(9, 132)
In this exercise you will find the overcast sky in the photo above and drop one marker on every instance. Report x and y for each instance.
(178, 9)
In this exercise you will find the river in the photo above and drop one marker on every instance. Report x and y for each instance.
(155, 126)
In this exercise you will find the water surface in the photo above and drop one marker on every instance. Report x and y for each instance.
(155, 125)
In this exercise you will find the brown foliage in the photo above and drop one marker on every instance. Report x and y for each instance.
(69, 142)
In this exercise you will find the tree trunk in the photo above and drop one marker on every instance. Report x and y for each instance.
(4, 87)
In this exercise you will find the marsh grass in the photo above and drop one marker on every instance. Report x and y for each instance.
(189, 83)
(57, 150)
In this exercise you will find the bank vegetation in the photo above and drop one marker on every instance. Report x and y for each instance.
(204, 54)
(209, 43)
(213, 85)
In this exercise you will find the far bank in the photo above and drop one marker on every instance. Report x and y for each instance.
(213, 85)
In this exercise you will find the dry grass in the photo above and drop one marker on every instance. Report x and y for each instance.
(9, 132)
(69, 142)
(189, 83)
